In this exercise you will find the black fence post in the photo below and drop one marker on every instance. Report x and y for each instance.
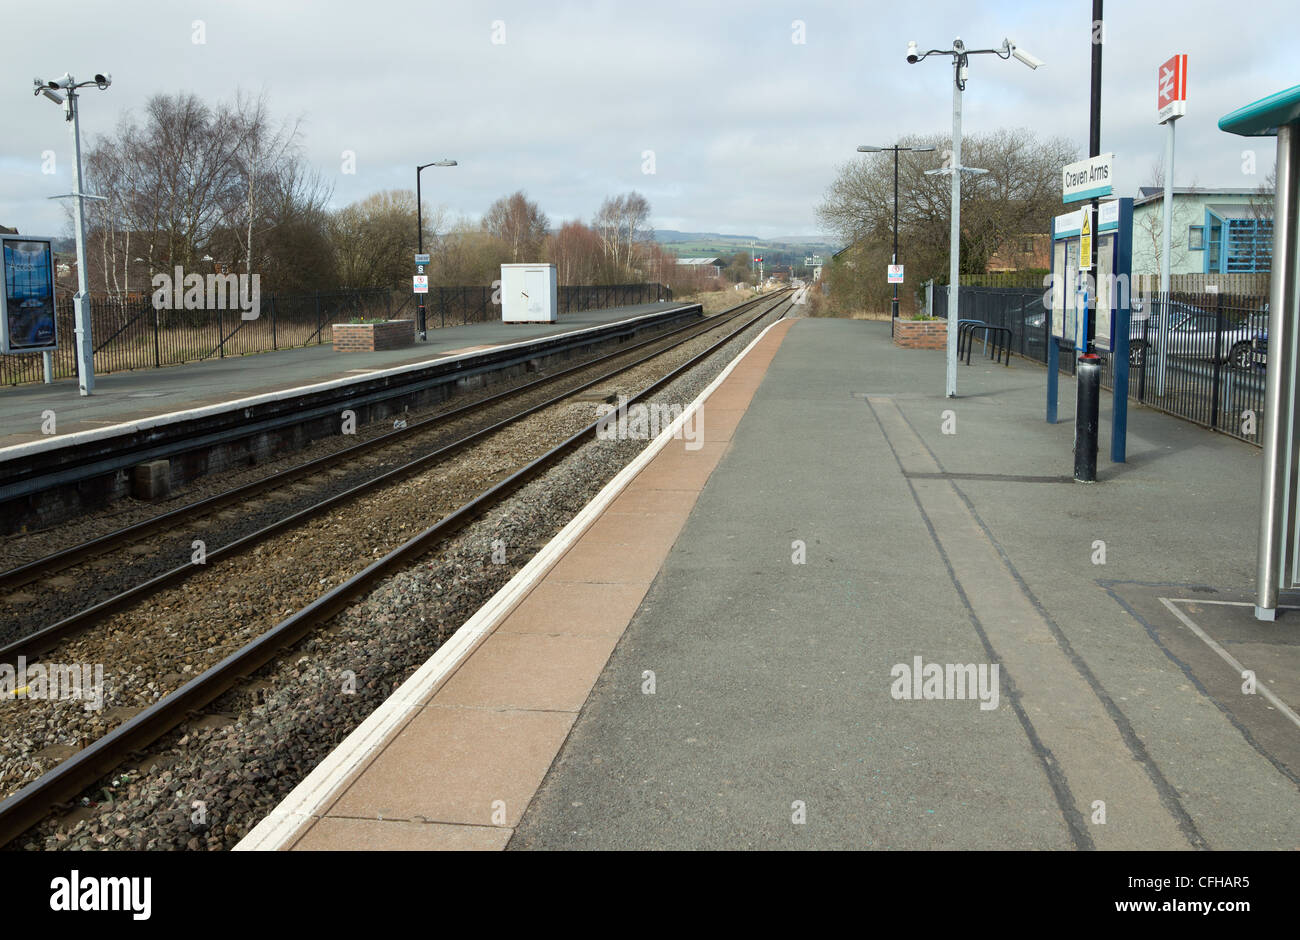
(320, 325)
(275, 340)
(221, 333)
(1218, 358)
(157, 346)
(1145, 350)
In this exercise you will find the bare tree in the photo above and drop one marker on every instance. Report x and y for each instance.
(622, 222)
(576, 252)
(374, 239)
(1017, 197)
(518, 223)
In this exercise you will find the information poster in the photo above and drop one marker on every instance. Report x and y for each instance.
(1105, 286)
(27, 314)
(1058, 289)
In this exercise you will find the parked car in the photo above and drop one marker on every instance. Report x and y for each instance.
(1191, 334)
(1259, 350)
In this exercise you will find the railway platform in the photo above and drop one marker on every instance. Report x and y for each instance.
(860, 615)
(147, 433)
(147, 394)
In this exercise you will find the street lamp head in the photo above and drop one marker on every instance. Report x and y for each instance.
(912, 55)
(921, 149)
(446, 163)
(867, 148)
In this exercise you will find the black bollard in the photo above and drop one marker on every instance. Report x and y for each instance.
(1085, 418)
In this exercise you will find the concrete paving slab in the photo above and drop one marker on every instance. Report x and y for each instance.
(363, 835)
(452, 764)
(546, 673)
(575, 607)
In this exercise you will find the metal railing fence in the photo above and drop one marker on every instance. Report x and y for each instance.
(130, 333)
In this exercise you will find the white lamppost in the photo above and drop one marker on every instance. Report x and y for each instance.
(64, 92)
(959, 54)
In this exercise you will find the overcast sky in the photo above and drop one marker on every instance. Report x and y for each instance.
(746, 126)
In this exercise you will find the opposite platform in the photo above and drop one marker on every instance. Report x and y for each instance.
(122, 397)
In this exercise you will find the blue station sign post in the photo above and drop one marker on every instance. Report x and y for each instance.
(1092, 305)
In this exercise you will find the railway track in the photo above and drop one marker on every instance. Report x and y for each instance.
(31, 803)
(91, 570)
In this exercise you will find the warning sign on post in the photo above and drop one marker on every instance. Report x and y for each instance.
(895, 274)
(1085, 240)
(421, 283)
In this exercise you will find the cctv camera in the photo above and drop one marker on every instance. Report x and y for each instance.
(51, 94)
(1032, 61)
(66, 81)
(103, 81)
(911, 52)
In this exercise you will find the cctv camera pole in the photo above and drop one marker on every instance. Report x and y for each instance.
(960, 57)
(954, 236)
(80, 300)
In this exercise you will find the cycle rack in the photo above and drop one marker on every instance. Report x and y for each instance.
(1002, 338)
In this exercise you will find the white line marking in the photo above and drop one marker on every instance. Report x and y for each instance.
(318, 789)
(1227, 657)
(1197, 600)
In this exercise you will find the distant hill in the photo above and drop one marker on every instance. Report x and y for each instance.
(783, 250)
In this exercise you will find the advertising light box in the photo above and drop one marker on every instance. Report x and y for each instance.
(27, 315)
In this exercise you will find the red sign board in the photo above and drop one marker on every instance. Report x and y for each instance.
(1171, 89)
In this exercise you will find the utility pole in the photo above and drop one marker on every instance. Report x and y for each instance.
(420, 325)
(867, 148)
(1171, 102)
(1088, 374)
(960, 69)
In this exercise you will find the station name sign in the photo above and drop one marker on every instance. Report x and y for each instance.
(1088, 179)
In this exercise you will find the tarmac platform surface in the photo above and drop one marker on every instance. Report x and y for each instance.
(736, 648)
(129, 396)
(774, 681)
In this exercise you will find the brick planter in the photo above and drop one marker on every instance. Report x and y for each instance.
(921, 334)
(370, 337)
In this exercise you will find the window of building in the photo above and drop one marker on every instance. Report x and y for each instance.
(1196, 237)
(1249, 245)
